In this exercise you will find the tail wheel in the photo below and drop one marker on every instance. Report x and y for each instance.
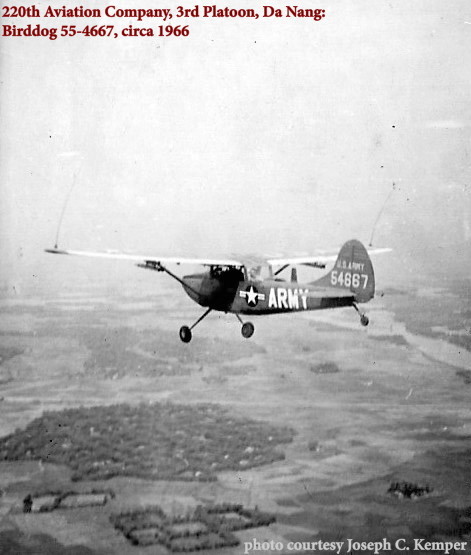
(185, 334)
(364, 320)
(247, 329)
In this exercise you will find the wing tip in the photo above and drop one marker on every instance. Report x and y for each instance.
(55, 250)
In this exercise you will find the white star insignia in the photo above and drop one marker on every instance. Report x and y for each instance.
(252, 296)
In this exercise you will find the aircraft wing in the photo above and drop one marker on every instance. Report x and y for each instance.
(316, 261)
(142, 258)
(239, 261)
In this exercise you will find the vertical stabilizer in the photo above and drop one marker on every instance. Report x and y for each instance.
(352, 271)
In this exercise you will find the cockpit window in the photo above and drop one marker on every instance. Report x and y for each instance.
(227, 273)
(255, 272)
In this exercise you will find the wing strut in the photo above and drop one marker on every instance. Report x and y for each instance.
(281, 269)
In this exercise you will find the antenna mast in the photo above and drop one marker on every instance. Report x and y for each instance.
(379, 214)
(56, 245)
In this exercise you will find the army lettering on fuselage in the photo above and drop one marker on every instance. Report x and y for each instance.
(292, 299)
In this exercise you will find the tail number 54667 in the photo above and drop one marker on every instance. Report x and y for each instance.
(347, 279)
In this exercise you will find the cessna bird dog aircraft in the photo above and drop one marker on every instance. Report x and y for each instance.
(235, 285)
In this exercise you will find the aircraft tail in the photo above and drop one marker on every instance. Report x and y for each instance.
(352, 271)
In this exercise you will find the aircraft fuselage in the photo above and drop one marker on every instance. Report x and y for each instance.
(245, 296)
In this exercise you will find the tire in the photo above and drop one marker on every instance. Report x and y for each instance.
(185, 334)
(247, 329)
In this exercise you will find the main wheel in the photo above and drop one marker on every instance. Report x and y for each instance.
(364, 320)
(247, 329)
(185, 334)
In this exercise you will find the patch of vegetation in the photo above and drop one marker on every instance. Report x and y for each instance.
(152, 441)
(322, 450)
(286, 502)
(208, 527)
(15, 542)
(214, 379)
(233, 516)
(115, 352)
(325, 368)
(6, 353)
(409, 490)
(450, 521)
(462, 340)
(237, 370)
(313, 446)
(50, 500)
(394, 339)
(465, 374)
(447, 309)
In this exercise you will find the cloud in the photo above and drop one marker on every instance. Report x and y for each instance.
(69, 154)
(445, 124)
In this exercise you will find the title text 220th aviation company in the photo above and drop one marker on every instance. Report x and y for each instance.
(49, 13)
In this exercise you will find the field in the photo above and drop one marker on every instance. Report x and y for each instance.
(318, 417)
(209, 527)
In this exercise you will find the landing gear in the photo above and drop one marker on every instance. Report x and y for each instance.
(364, 320)
(185, 334)
(185, 331)
(247, 328)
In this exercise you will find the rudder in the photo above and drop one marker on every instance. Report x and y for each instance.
(352, 271)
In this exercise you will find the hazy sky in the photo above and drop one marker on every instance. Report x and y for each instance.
(248, 136)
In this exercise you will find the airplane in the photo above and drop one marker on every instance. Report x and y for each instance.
(235, 285)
